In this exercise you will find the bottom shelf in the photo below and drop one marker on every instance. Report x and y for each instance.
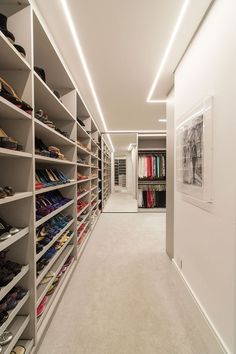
(54, 300)
(27, 344)
(17, 327)
(152, 210)
(42, 290)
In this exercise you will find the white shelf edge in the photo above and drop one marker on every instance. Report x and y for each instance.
(40, 158)
(14, 153)
(58, 186)
(13, 238)
(17, 327)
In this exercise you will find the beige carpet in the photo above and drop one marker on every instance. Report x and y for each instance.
(122, 297)
(121, 202)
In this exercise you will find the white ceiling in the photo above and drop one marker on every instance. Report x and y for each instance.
(121, 142)
(123, 43)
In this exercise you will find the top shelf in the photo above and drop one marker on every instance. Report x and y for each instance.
(56, 74)
(10, 58)
(46, 100)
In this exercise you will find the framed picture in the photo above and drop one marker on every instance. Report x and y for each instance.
(194, 152)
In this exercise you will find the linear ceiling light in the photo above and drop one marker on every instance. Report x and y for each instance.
(162, 120)
(84, 63)
(166, 54)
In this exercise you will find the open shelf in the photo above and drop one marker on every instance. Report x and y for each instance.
(46, 100)
(55, 212)
(52, 261)
(5, 289)
(13, 313)
(10, 58)
(58, 186)
(50, 160)
(55, 238)
(17, 327)
(14, 238)
(10, 111)
(43, 288)
(51, 134)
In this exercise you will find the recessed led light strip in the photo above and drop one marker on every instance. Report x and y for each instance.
(84, 63)
(166, 54)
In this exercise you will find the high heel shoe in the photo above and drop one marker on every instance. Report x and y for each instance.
(7, 92)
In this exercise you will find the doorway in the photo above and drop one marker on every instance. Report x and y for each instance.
(123, 189)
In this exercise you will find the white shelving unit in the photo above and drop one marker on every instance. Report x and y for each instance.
(80, 143)
(106, 173)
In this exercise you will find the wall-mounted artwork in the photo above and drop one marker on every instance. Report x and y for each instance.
(194, 151)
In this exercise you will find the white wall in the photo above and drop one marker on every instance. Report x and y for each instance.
(205, 241)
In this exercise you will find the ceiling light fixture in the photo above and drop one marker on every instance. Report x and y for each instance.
(162, 120)
(84, 63)
(166, 54)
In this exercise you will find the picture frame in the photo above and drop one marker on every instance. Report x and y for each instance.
(194, 152)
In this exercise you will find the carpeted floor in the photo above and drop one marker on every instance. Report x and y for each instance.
(122, 297)
(121, 202)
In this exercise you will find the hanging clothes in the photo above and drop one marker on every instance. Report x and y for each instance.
(152, 196)
(151, 166)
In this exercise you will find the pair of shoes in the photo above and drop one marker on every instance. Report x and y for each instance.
(81, 177)
(81, 190)
(48, 202)
(5, 338)
(7, 230)
(7, 142)
(41, 307)
(49, 177)
(6, 192)
(46, 232)
(80, 122)
(8, 269)
(65, 266)
(7, 92)
(44, 119)
(10, 301)
(51, 151)
(18, 349)
(81, 205)
(10, 36)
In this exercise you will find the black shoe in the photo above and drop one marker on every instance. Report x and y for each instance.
(4, 30)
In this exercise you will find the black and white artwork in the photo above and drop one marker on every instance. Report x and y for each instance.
(192, 151)
(194, 147)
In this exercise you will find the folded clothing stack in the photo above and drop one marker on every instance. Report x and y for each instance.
(48, 151)
(46, 232)
(49, 177)
(48, 202)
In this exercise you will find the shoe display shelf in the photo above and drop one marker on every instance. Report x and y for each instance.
(106, 173)
(54, 149)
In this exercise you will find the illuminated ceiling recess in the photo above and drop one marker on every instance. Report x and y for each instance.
(84, 63)
(166, 54)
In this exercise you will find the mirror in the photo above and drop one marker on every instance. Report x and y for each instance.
(120, 186)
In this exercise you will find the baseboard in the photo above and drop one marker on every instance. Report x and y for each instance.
(209, 333)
